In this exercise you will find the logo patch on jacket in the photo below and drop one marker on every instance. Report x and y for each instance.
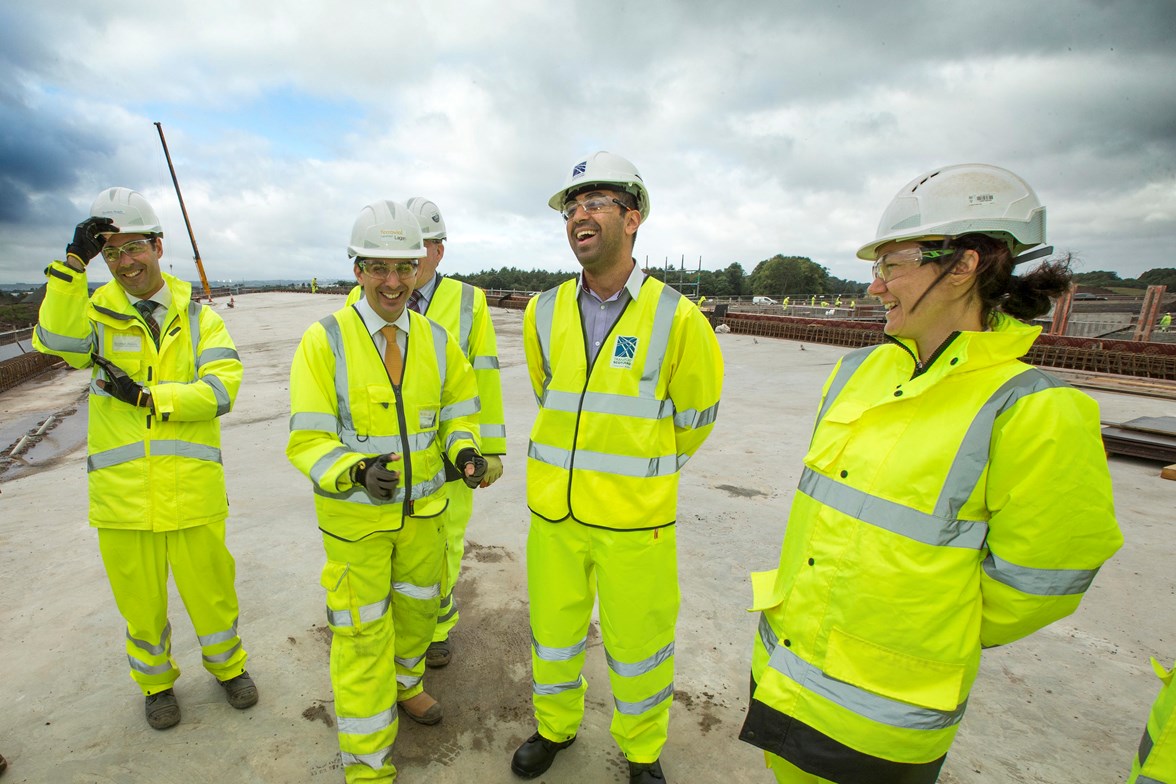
(623, 352)
(129, 344)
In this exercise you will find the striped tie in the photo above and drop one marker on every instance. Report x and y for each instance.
(414, 301)
(146, 309)
(392, 359)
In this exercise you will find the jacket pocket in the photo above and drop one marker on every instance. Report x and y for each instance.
(895, 674)
(764, 593)
(342, 607)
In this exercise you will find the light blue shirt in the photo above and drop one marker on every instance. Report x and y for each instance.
(600, 315)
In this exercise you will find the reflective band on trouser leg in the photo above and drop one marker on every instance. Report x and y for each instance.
(136, 565)
(561, 594)
(417, 562)
(455, 520)
(637, 579)
(357, 578)
(204, 572)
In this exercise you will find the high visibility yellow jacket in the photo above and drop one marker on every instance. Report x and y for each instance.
(461, 309)
(941, 511)
(157, 469)
(609, 440)
(1155, 762)
(343, 407)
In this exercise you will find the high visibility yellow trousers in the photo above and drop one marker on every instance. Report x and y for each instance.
(455, 519)
(382, 597)
(636, 576)
(137, 566)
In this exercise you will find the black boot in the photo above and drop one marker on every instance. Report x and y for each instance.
(646, 773)
(536, 755)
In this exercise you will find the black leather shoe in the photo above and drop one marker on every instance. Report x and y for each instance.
(536, 754)
(646, 773)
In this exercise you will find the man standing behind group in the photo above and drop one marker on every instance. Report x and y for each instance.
(461, 309)
(379, 397)
(165, 370)
(627, 373)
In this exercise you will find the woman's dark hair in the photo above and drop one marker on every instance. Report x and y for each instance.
(1021, 296)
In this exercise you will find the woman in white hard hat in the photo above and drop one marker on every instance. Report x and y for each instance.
(932, 518)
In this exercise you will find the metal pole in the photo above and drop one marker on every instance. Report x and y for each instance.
(184, 210)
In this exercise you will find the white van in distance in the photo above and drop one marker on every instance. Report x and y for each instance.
(763, 301)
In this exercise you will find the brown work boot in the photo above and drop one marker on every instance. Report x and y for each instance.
(163, 710)
(438, 653)
(422, 709)
(241, 692)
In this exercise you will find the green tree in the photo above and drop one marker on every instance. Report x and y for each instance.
(792, 276)
(1098, 278)
(1160, 276)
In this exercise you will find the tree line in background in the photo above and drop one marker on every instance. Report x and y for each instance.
(1161, 276)
(779, 276)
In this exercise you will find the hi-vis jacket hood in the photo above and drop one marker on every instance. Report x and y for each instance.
(964, 506)
(160, 469)
(343, 407)
(609, 440)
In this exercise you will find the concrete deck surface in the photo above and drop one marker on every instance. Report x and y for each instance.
(1067, 705)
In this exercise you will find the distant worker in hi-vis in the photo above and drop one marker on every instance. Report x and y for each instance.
(164, 371)
(952, 497)
(627, 373)
(380, 399)
(461, 309)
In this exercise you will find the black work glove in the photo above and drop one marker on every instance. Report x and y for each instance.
(466, 458)
(376, 477)
(120, 385)
(87, 241)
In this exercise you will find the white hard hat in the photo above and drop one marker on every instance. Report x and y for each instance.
(128, 209)
(432, 224)
(971, 198)
(386, 230)
(604, 168)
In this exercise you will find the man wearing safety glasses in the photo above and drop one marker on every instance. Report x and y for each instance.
(628, 374)
(164, 371)
(380, 396)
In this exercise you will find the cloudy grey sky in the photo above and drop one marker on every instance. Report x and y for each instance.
(760, 127)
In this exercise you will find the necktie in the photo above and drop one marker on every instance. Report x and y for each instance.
(146, 309)
(414, 301)
(392, 359)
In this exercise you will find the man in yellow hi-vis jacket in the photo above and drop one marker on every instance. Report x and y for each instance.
(380, 397)
(461, 309)
(627, 373)
(165, 370)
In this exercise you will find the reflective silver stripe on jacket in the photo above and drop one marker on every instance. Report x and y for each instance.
(56, 342)
(464, 408)
(484, 363)
(642, 667)
(864, 703)
(849, 365)
(116, 456)
(1145, 746)
(408, 663)
(606, 403)
(492, 431)
(544, 318)
(941, 527)
(1039, 582)
(548, 653)
(466, 318)
(215, 354)
(154, 650)
(621, 465)
(366, 725)
(186, 449)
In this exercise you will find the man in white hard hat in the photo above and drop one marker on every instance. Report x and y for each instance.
(380, 398)
(628, 375)
(165, 370)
